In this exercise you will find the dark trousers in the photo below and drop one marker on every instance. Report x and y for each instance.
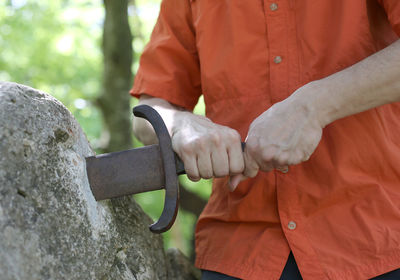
(291, 272)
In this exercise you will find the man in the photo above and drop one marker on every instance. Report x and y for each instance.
(311, 87)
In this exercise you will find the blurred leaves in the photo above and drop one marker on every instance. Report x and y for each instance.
(55, 46)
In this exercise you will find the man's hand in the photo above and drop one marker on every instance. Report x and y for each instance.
(286, 134)
(207, 149)
(289, 131)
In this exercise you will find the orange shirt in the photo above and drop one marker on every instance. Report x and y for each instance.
(339, 212)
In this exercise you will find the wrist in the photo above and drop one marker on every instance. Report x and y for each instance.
(177, 121)
(316, 99)
(184, 119)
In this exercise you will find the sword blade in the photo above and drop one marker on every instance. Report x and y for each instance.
(125, 173)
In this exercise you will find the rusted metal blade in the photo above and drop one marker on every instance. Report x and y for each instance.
(127, 172)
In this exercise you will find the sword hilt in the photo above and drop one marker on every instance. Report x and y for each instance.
(171, 186)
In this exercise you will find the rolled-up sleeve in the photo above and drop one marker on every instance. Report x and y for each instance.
(392, 8)
(169, 66)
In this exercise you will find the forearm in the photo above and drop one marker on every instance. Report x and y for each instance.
(367, 84)
(143, 129)
(289, 131)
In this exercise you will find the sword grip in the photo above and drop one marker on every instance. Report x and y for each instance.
(173, 166)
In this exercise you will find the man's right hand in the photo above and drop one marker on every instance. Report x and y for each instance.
(206, 149)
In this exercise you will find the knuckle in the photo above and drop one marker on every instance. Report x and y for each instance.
(199, 144)
(267, 156)
(193, 178)
(187, 148)
(237, 169)
(296, 159)
(221, 173)
(251, 170)
(193, 175)
(250, 173)
(280, 163)
(205, 172)
(237, 166)
(233, 135)
(282, 160)
(215, 139)
(252, 147)
(266, 168)
(206, 175)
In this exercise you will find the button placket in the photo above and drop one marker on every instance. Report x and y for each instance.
(276, 17)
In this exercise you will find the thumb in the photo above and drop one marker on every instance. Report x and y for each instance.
(235, 180)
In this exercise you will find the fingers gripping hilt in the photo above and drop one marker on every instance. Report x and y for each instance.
(170, 210)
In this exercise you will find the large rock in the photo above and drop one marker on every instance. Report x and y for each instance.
(51, 227)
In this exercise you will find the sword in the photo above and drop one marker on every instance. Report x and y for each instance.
(144, 169)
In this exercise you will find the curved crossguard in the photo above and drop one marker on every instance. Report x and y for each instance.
(168, 158)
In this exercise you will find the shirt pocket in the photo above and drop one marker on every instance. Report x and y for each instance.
(232, 48)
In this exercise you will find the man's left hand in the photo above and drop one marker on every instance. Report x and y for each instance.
(286, 134)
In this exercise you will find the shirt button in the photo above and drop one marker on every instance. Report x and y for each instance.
(277, 59)
(273, 7)
(291, 225)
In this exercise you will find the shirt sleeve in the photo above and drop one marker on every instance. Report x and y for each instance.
(169, 66)
(392, 8)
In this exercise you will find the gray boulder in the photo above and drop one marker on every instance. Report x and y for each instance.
(51, 227)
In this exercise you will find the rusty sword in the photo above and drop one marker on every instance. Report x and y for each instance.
(144, 169)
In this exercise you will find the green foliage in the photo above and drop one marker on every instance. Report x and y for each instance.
(143, 15)
(55, 46)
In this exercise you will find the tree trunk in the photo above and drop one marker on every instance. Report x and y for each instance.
(117, 77)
